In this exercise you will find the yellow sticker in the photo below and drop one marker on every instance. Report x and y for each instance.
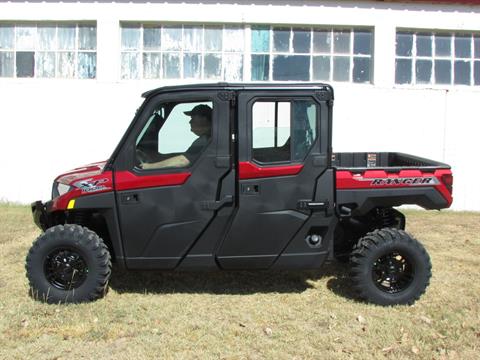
(71, 204)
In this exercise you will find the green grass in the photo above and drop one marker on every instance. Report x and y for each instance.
(246, 315)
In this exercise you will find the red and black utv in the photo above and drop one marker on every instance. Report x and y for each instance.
(236, 176)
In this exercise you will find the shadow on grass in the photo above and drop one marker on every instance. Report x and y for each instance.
(230, 282)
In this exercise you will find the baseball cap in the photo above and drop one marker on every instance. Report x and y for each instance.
(203, 110)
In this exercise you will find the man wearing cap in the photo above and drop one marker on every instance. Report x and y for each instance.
(200, 125)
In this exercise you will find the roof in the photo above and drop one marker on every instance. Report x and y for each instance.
(240, 86)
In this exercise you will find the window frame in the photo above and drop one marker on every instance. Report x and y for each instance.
(147, 113)
(203, 52)
(276, 99)
(331, 54)
(452, 58)
(56, 50)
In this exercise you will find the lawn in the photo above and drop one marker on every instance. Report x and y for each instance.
(242, 315)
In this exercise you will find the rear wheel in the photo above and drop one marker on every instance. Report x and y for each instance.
(68, 263)
(390, 267)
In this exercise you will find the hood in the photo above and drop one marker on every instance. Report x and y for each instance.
(84, 172)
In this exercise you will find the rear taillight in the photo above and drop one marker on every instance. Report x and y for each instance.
(447, 180)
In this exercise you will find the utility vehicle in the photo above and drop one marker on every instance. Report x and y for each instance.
(236, 177)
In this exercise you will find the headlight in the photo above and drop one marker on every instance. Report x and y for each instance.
(60, 189)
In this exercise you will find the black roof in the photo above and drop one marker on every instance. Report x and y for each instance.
(240, 86)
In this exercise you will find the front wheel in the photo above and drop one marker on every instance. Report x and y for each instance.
(390, 267)
(68, 263)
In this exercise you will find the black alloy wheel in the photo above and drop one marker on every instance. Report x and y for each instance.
(65, 268)
(392, 273)
(68, 264)
(390, 267)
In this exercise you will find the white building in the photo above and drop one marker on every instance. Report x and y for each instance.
(406, 74)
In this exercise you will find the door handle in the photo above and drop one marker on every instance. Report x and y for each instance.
(216, 205)
(315, 206)
(129, 199)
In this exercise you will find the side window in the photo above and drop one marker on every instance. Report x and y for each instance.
(175, 135)
(283, 130)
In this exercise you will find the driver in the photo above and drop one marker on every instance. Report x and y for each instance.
(200, 125)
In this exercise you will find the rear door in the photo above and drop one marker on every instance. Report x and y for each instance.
(165, 209)
(285, 189)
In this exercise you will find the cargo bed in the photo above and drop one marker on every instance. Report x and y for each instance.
(389, 161)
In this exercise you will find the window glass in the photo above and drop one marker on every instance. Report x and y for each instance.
(462, 72)
(130, 65)
(233, 39)
(152, 37)
(175, 135)
(192, 66)
(233, 67)
(260, 39)
(322, 41)
(87, 65)
(424, 71)
(283, 130)
(66, 37)
(192, 38)
(260, 67)
(301, 41)
(25, 63)
(46, 38)
(463, 45)
(362, 42)
(66, 65)
(7, 36)
(213, 38)
(6, 64)
(341, 42)
(172, 38)
(281, 39)
(152, 65)
(443, 72)
(291, 67)
(131, 38)
(361, 70)
(87, 37)
(171, 65)
(443, 45)
(404, 44)
(213, 66)
(341, 68)
(424, 44)
(45, 64)
(477, 73)
(403, 71)
(321, 68)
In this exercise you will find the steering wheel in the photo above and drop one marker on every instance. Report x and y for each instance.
(141, 156)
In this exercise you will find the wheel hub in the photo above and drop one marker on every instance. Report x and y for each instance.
(392, 273)
(65, 269)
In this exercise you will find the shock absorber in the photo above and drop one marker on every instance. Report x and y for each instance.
(386, 217)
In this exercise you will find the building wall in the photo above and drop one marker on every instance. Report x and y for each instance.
(51, 125)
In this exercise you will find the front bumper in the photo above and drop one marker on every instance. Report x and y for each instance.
(40, 214)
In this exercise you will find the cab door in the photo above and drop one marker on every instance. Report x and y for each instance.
(163, 211)
(285, 188)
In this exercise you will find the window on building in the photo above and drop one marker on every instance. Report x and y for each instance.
(182, 52)
(48, 50)
(283, 130)
(437, 58)
(311, 54)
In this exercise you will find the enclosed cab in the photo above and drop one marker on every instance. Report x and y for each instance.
(233, 177)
